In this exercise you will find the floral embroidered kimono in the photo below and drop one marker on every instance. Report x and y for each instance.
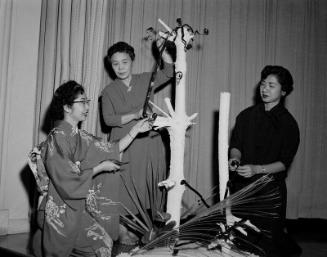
(81, 211)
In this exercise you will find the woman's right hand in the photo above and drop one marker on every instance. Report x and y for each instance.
(105, 166)
(233, 164)
(33, 154)
(141, 126)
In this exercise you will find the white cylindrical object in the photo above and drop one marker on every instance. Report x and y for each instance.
(223, 143)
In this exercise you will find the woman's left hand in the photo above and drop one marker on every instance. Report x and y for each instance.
(143, 126)
(33, 154)
(247, 170)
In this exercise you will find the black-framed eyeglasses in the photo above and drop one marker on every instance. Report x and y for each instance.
(85, 101)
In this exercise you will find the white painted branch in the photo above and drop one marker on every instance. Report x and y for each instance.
(177, 124)
(158, 108)
(165, 25)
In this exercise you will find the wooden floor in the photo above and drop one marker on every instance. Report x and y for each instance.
(14, 245)
(311, 236)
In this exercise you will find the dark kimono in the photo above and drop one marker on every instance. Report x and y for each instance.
(146, 155)
(80, 211)
(264, 137)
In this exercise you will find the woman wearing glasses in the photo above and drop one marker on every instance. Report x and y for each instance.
(81, 204)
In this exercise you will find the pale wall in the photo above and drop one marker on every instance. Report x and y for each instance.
(20, 104)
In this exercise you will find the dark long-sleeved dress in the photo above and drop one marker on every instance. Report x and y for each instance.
(80, 211)
(264, 137)
(146, 155)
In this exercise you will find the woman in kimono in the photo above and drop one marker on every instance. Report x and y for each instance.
(82, 200)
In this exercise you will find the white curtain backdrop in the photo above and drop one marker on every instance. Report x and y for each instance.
(19, 34)
(71, 47)
(244, 37)
(5, 28)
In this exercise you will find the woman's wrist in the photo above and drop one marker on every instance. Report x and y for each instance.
(132, 134)
(259, 169)
(96, 169)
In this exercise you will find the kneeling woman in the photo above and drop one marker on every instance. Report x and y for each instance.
(81, 206)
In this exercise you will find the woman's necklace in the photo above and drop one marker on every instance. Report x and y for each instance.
(128, 85)
(129, 88)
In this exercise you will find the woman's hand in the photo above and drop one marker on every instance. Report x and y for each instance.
(105, 166)
(32, 159)
(248, 170)
(33, 154)
(141, 126)
(233, 164)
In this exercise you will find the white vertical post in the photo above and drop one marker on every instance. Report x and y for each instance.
(223, 142)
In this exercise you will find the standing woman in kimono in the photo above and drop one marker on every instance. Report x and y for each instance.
(81, 205)
(122, 106)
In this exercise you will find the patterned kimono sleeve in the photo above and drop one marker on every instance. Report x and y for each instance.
(110, 151)
(70, 182)
(98, 151)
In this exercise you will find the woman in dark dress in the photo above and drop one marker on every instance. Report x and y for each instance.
(264, 141)
(122, 107)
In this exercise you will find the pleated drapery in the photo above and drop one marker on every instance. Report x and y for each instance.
(71, 47)
(19, 34)
(244, 36)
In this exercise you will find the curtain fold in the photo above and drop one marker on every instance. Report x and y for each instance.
(6, 10)
(244, 36)
(19, 33)
(71, 47)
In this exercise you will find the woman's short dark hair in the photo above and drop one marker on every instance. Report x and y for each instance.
(120, 47)
(282, 74)
(64, 95)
